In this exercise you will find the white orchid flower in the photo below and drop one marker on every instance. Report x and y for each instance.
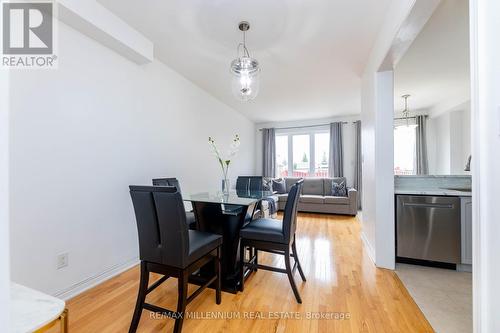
(225, 160)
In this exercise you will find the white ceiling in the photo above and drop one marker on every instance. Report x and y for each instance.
(435, 69)
(311, 52)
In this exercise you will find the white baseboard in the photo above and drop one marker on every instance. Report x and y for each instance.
(464, 268)
(93, 281)
(368, 247)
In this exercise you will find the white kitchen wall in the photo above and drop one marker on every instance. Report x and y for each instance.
(80, 135)
(438, 144)
(349, 134)
(4, 200)
(449, 141)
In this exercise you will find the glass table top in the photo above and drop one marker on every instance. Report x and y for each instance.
(243, 198)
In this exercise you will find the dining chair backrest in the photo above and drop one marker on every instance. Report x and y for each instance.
(290, 212)
(171, 181)
(242, 183)
(250, 183)
(161, 225)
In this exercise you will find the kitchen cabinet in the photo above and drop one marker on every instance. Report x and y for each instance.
(466, 225)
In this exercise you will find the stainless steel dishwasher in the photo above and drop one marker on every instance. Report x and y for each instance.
(428, 228)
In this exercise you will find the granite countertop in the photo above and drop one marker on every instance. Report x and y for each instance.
(432, 191)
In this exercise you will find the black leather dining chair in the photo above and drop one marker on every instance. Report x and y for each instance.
(190, 218)
(168, 247)
(249, 183)
(274, 236)
(245, 184)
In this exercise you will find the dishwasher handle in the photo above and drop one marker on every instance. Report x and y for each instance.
(428, 205)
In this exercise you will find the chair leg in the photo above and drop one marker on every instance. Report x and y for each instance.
(290, 275)
(141, 297)
(296, 258)
(242, 264)
(218, 272)
(181, 302)
(256, 259)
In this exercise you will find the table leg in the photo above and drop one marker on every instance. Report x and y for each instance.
(64, 321)
(210, 218)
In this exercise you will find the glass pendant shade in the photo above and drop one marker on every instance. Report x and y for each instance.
(245, 70)
(245, 81)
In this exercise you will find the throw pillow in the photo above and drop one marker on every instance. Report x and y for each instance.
(339, 189)
(278, 185)
(266, 184)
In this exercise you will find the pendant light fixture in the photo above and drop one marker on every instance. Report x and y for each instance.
(406, 112)
(245, 70)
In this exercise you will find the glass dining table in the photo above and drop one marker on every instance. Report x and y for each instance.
(225, 214)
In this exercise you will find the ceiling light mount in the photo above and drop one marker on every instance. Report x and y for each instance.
(244, 26)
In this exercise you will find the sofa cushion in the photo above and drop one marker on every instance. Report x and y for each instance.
(282, 197)
(337, 200)
(328, 184)
(278, 185)
(313, 186)
(290, 182)
(311, 198)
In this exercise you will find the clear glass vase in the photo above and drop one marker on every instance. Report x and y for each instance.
(225, 186)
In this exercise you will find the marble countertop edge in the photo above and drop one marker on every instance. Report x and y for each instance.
(432, 191)
(32, 309)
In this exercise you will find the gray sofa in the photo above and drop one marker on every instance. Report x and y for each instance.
(316, 197)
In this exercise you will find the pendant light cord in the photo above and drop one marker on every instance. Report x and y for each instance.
(406, 111)
(244, 45)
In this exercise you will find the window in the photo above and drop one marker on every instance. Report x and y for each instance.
(302, 154)
(282, 155)
(321, 154)
(404, 150)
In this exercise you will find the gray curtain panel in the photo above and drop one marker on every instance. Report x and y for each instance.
(269, 151)
(421, 160)
(357, 166)
(336, 161)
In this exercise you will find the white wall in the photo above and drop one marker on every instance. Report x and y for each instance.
(438, 143)
(81, 134)
(377, 112)
(448, 141)
(4, 199)
(485, 55)
(349, 133)
(466, 138)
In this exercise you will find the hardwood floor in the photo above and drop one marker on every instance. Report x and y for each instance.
(340, 279)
